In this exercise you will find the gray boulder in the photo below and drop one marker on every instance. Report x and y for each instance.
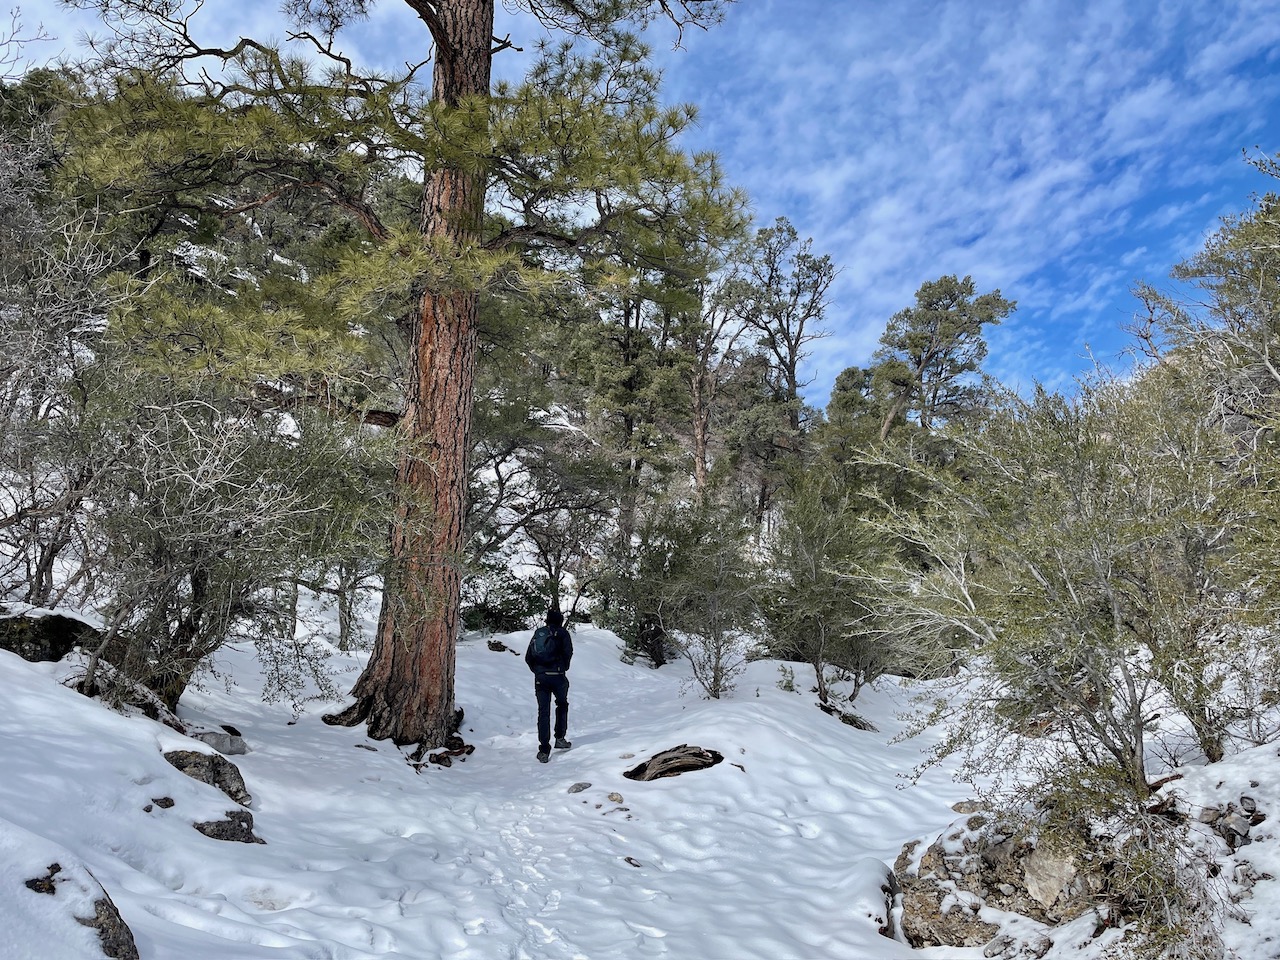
(1048, 876)
(237, 828)
(214, 770)
(225, 743)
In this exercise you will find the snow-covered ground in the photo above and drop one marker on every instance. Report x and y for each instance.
(778, 852)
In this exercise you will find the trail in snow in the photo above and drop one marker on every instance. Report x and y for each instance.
(777, 852)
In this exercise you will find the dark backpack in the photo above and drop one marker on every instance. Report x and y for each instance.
(543, 648)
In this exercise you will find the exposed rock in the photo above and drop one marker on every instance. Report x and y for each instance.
(1234, 829)
(497, 646)
(46, 884)
(677, 760)
(579, 786)
(454, 746)
(1048, 875)
(615, 798)
(1008, 947)
(44, 636)
(1234, 823)
(935, 912)
(114, 934)
(164, 803)
(980, 861)
(238, 827)
(226, 743)
(959, 926)
(212, 769)
(905, 857)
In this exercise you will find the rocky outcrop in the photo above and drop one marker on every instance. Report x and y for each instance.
(980, 861)
(217, 771)
(935, 913)
(114, 934)
(40, 636)
(214, 770)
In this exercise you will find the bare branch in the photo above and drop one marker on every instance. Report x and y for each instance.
(13, 39)
(504, 43)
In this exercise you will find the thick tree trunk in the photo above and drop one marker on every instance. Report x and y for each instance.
(406, 691)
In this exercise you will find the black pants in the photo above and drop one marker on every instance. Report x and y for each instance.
(544, 686)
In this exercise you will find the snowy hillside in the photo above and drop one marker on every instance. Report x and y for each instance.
(778, 852)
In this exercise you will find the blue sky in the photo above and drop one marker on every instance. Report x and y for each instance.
(1057, 150)
(1060, 150)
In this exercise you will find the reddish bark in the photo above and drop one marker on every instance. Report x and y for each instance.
(406, 691)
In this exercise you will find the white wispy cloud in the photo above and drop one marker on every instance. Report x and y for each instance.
(1033, 145)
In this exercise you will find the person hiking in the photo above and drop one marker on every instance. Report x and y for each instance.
(548, 657)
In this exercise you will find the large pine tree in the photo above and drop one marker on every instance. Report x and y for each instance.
(597, 152)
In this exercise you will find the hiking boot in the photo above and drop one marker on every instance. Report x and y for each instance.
(544, 756)
(562, 743)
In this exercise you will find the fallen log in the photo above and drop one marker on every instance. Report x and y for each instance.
(677, 760)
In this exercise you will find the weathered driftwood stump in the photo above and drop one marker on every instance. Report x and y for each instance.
(677, 760)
